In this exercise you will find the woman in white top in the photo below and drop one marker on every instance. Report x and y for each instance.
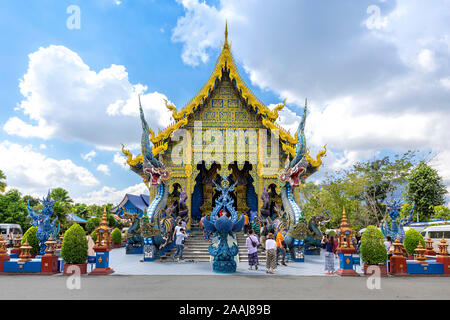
(271, 254)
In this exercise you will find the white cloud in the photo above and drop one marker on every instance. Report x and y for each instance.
(34, 173)
(65, 99)
(103, 168)
(383, 88)
(111, 195)
(120, 160)
(426, 60)
(89, 156)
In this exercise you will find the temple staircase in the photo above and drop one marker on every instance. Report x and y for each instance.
(195, 247)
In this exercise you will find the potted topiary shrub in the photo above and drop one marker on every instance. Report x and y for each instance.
(372, 249)
(33, 241)
(412, 238)
(116, 237)
(74, 250)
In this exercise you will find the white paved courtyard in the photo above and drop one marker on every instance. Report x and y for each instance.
(124, 264)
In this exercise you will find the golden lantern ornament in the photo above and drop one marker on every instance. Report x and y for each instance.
(25, 254)
(443, 248)
(420, 253)
(3, 244)
(398, 260)
(50, 246)
(429, 247)
(398, 248)
(16, 241)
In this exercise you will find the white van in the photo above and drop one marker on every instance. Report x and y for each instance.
(9, 230)
(436, 233)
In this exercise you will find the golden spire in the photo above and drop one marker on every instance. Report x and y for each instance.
(226, 31)
(225, 44)
(104, 221)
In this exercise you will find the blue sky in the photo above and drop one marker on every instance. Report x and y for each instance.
(376, 74)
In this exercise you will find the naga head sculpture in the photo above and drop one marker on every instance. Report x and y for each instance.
(296, 168)
(153, 169)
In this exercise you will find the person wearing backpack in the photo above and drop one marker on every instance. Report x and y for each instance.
(252, 246)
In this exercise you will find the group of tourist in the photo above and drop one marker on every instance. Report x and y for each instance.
(264, 237)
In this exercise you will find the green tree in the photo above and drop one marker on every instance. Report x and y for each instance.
(62, 206)
(2, 181)
(31, 200)
(62, 195)
(13, 209)
(381, 177)
(441, 213)
(426, 189)
(91, 224)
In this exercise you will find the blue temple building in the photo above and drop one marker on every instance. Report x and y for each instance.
(132, 204)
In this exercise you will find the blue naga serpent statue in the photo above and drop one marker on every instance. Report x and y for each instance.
(153, 225)
(224, 227)
(296, 171)
(396, 228)
(45, 227)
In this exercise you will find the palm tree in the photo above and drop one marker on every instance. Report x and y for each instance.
(62, 195)
(2, 183)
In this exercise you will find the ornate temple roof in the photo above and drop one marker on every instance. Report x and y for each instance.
(225, 63)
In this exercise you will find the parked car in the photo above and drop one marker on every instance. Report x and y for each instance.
(436, 233)
(9, 230)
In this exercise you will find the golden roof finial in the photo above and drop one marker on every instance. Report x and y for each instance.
(225, 44)
(226, 31)
(104, 221)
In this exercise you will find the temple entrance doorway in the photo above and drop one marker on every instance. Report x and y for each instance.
(205, 193)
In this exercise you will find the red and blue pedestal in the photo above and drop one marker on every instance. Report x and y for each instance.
(49, 264)
(346, 263)
(397, 265)
(4, 257)
(101, 262)
(445, 261)
(428, 267)
(14, 254)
